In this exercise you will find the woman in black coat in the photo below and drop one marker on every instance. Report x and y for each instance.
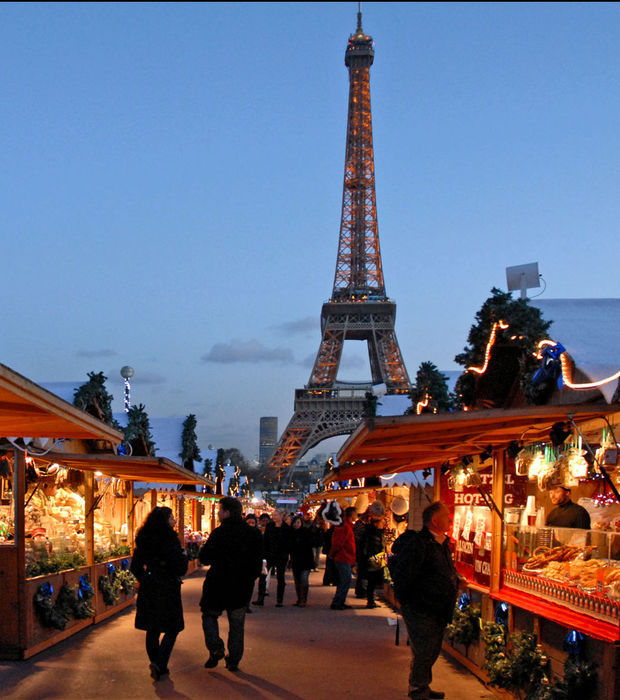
(302, 559)
(158, 563)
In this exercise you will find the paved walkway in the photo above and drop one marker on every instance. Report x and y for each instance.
(291, 653)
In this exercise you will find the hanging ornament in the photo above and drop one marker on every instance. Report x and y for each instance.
(573, 643)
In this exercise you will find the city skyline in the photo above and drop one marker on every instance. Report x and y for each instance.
(173, 181)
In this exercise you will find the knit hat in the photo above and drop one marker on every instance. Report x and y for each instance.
(333, 513)
(376, 509)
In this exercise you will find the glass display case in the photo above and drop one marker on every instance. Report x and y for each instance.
(54, 519)
(111, 512)
(577, 568)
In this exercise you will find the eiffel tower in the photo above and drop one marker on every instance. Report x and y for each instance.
(359, 308)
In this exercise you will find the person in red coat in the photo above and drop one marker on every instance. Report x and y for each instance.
(343, 553)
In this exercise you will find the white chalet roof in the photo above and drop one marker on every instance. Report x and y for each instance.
(589, 329)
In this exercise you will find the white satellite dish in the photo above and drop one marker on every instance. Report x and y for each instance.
(522, 277)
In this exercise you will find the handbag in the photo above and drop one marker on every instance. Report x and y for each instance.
(377, 561)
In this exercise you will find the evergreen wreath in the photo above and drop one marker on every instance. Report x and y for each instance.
(126, 580)
(465, 626)
(82, 602)
(48, 613)
(110, 587)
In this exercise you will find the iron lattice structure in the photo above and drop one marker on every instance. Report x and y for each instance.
(359, 308)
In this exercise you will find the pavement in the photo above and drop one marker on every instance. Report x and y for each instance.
(291, 653)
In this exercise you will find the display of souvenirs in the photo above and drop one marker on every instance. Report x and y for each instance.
(110, 518)
(54, 523)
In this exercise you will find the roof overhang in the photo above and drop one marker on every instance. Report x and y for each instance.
(153, 469)
(26, 409)
(408, 443)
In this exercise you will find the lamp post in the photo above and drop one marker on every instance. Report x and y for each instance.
(127, 373)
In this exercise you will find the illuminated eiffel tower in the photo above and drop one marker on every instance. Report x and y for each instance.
(359, 308)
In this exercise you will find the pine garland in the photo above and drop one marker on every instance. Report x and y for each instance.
(465, 626)
(48, 613)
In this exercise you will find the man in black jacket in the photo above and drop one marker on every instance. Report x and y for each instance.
(234, 554)
(426, 585)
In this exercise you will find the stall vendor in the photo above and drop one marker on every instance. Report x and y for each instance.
(566, 513)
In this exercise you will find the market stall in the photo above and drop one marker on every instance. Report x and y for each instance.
(78, 518)
(522, 574)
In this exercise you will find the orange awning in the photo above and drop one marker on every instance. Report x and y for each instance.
(153, 469)
(407, 443)
(28, 410)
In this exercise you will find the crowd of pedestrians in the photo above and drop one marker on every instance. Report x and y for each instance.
(246, 552)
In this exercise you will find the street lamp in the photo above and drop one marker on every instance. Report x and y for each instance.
(127, 373)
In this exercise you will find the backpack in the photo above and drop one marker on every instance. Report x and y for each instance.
(401, 562)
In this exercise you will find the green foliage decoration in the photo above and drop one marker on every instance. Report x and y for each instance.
(465, 626)
(431, 383)
(138, 432)
(526, 326)
(122, 550)
(190, 452)
(50, 614)
(93, 397)
(53, 563)
(127, 580)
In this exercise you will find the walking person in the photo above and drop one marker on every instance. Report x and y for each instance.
(234, 554)
(426, 585)
(360, 576)
(343, 553)
(373, 549)
(158, 563)
(277, 542)
(302, 559)
(263, 521)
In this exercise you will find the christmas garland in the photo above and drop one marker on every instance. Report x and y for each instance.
(49, 613)
(465, 626)
(71, 601)
(115, 581)
(523, 668)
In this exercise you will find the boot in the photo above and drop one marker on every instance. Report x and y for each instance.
(298, 591)
(303, 595)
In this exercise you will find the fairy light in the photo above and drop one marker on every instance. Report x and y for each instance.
(567, 372)
(490, 344)
(422, 404)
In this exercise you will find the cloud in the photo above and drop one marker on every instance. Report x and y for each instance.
(302, 325)
(247, 351)
(96, 353)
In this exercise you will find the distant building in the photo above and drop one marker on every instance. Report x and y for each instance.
(268, 438)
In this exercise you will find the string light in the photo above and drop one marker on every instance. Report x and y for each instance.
(422, 404)
(490, 344)
(567, 373)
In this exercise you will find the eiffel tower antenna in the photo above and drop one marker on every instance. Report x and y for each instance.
(359, 308)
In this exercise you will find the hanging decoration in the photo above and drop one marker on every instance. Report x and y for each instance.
(550, 349)
(465, 626)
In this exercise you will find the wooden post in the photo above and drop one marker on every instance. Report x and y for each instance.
(20, 540)
(496, 542)
(181, 520)
(89, 525)
(131, 518)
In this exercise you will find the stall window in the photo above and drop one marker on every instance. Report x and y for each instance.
(54, 518)
(7, 502)
(111, 535)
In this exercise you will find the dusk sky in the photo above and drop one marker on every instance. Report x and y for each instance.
(171, 185)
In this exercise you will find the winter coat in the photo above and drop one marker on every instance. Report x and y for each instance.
(302, 556)
(424, 575)
(277, 544)
(371, 543)
(343, 544)
(234, 554)
(159, 569)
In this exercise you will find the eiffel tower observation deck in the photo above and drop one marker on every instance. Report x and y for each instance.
(359, 308)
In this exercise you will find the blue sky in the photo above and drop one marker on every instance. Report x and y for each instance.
(171, 184)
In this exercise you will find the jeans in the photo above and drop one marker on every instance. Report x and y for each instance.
(213, 641)
(159, 653)
(344, 571)
(425, 636)
(301, 576)
(280, 569)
